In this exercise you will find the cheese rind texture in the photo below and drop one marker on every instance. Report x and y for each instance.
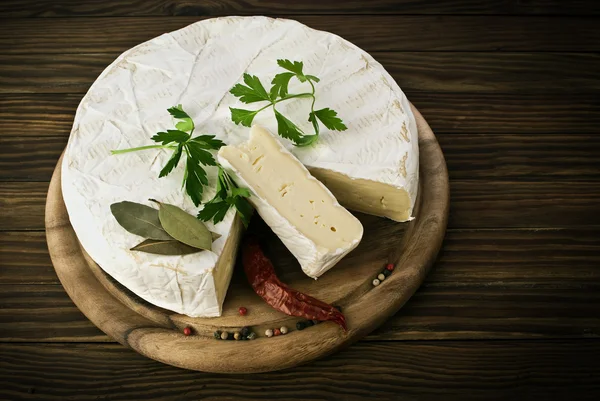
(303, 213)
(197, 66)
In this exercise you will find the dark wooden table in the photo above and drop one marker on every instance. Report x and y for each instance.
(512, 307)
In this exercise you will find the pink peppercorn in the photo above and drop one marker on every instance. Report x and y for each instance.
(243, 311)
(390, 267)
(187, 331)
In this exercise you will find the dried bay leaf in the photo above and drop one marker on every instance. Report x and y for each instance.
(183, 226)
(140, 220)
(168, 247)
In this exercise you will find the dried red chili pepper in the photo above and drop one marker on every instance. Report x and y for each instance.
(261, 276)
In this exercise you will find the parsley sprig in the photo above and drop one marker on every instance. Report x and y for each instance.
(228, 195)
(253, 91)
(197, 154)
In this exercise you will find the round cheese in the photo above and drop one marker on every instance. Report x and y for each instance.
(370, 167)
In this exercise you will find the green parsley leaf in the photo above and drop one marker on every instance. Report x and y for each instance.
(187, 124)
(241, 116)
(177, 112)
(171, 136)
(200, 155)
(314, 121)
(173, 161)
(329, 118)
(253, 92)
(215, 211)
(307, 140)
(222, 186)
(280, 84)
(195, 180)
(244, 208)
(312, 78)
(286, 128)
(240, 192)
(295, 66)
(208, 142)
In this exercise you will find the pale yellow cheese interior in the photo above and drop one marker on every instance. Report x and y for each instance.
(224, 267)
(278, 177)
(366, 196)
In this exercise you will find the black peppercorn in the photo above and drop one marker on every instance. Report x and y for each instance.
(300, 325)
(245, 331)
(309, 323)
(386, 272)
(217, 334)
(230, 336)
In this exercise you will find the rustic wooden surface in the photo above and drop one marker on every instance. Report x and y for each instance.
(512, 85)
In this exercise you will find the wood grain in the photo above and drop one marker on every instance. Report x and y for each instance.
(469, 156)
(376, 33)
(545, 259)
(36, 115)
(464, 72)
(22, 205)
(509, 113)
(49, 8)
(474, 204)
(446, 370)
(528, 204)
(24, 258)
(45, 313)
(546, 285)
(23, 160)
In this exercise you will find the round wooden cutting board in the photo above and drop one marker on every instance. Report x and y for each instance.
(158, 333)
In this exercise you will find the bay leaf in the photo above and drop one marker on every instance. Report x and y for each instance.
(183, 226)
(139, 219)
(168, 247)
(215, 236)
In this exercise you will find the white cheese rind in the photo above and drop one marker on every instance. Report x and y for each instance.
(196, 66)
(300, 210)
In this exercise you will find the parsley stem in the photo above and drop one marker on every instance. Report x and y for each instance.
(297, 95)
(312, 106)
(121, 151)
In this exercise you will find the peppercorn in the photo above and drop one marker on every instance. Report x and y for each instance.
(276, 332)
(315, 321)
(217, 334)
(310, 323)
(245, 330)
(187, 331)
(376, 282)
(269, 333)
(224, 335)
(283, 329)
(339, 308)
(251, 336)
(230, 336)
(389, 267)
(381, 277)
(237, 336)
(300, 326)
(386, 272)
(243, 311)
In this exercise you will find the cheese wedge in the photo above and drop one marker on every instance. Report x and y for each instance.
(298, 208)
(372, 167)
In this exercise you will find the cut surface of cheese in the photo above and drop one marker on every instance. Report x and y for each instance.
(298, 208)
(371, 167)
